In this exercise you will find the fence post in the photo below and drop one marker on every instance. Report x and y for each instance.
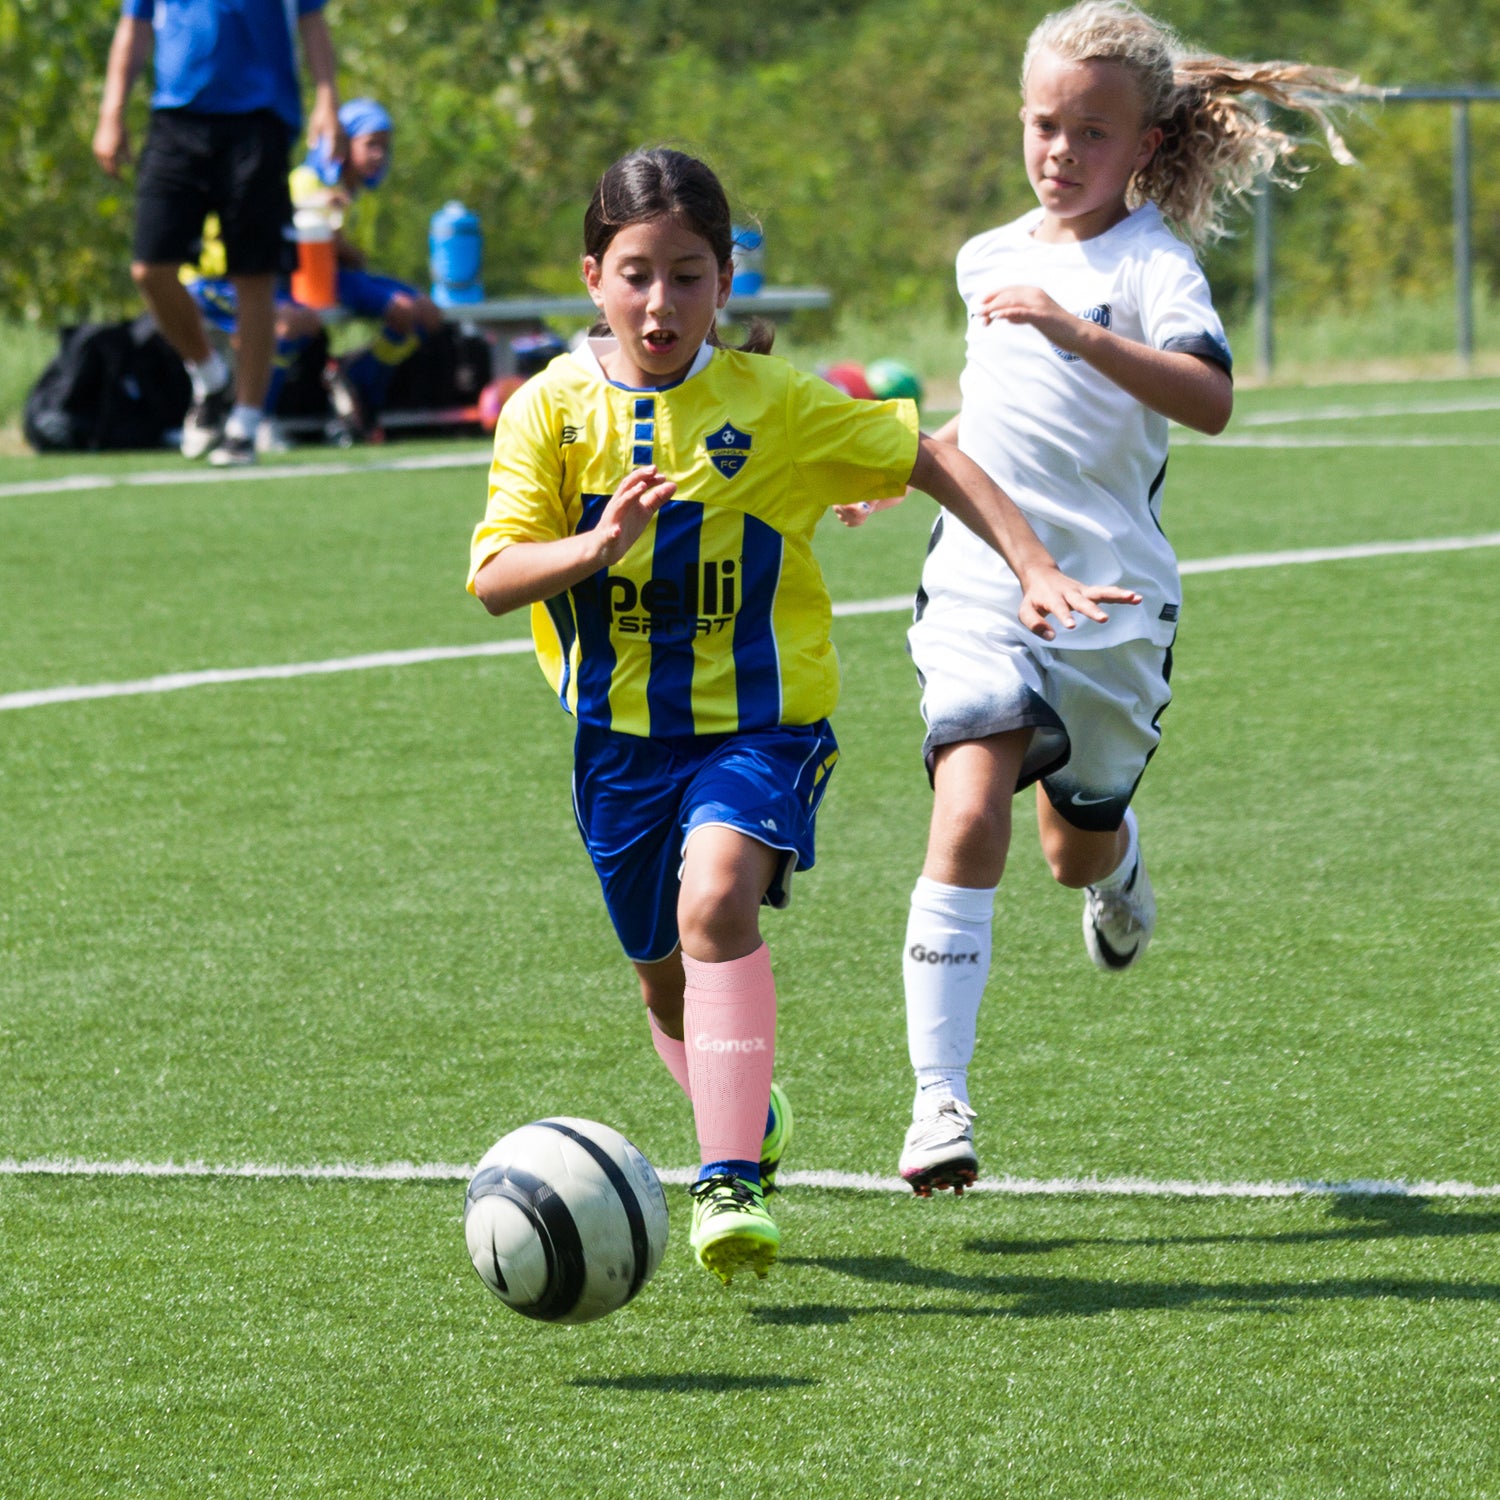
(1265, 352)
(1463, 247)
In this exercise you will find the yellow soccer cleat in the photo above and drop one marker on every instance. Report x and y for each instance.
(731, 1229)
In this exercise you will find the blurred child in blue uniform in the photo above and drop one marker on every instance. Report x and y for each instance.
(328, 184)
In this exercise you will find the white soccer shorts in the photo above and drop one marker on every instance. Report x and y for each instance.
(1096, 713)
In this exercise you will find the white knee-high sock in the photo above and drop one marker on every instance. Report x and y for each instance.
(945, 966)
(1126, 868)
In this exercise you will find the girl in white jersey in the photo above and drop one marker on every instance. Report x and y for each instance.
(1090, 327)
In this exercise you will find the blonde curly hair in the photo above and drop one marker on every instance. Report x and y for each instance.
(1216, 144)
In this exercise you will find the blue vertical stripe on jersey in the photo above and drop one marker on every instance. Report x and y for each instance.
(591, 607)
(560, 610)
(757, 667)
(644, 452)
(674, 572)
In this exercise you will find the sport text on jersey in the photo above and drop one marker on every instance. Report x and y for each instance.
(702, 601)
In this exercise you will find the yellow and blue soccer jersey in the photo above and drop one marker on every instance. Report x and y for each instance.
(717, 620)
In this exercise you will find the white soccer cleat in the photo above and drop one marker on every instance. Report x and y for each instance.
(1118, 923)
(270, 437)
(203, 426)
(939, 1151)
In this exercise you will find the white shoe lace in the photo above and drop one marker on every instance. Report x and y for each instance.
(1115, 911)
(950, 1123)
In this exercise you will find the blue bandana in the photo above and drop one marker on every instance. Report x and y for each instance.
(358, 117)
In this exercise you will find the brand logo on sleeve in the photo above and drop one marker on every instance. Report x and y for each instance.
(728, 449)
(1099, 315)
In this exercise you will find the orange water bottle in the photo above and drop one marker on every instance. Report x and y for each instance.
(315, 281)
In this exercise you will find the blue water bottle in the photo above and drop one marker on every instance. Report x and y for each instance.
(455, 249)
(749, 261)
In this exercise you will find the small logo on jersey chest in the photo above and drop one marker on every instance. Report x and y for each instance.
(728, 449)
(1099, 315)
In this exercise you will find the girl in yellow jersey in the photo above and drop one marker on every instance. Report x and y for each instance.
(653, 497)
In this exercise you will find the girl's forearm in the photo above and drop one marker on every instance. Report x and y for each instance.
(528, 572)
(1182, 387)
(948, 432)
(958, 484)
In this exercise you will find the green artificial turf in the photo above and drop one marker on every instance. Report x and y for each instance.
(344, 920)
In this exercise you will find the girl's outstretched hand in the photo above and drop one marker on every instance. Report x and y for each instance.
(1030, 305)
(641, 494)
(857, 515)
(1048, 591)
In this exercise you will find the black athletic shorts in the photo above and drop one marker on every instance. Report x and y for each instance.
(234, 166)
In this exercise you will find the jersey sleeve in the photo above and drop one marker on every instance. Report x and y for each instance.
(1178, 310)
(526, 502)
(846, 450)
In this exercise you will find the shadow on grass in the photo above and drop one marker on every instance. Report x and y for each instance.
(1082, 1297)
(1063, 1296)
(683, 1385)
(1377, 1217)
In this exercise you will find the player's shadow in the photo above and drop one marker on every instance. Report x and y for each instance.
(1382, 1216)
(1037, 1295)
(692, 1384)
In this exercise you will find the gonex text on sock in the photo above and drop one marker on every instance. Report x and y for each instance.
(923, 955)
(705, 1043)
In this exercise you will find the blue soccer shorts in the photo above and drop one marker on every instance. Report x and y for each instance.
(638, 800)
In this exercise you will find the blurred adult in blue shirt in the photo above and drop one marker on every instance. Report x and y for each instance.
(225, 108)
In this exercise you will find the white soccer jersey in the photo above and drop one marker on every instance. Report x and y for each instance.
(1084, 460)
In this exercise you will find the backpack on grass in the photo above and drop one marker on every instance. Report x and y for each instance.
(110, 385)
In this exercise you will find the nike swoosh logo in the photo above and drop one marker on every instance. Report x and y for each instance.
(1112, 956)
(1079, 800)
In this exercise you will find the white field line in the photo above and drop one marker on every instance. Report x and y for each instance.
(174, 681)
(1237, 561)
(1351, 413)
(171, 682)
(857, 1182)
(473, 456)
(1291, 440)
(463, 458)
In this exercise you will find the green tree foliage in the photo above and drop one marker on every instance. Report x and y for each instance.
(63, 225)
(868, 137)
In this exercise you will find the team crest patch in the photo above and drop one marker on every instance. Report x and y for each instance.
(728, 448)
(1099, 315)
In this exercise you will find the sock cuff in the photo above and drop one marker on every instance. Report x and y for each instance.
(1121, 872)
(243, 421)
(959, 902)
(711, 981)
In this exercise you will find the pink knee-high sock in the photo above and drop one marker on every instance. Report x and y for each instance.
(729, 1025)
(673, 1051)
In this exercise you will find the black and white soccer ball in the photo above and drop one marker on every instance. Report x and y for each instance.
(565, 1220)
